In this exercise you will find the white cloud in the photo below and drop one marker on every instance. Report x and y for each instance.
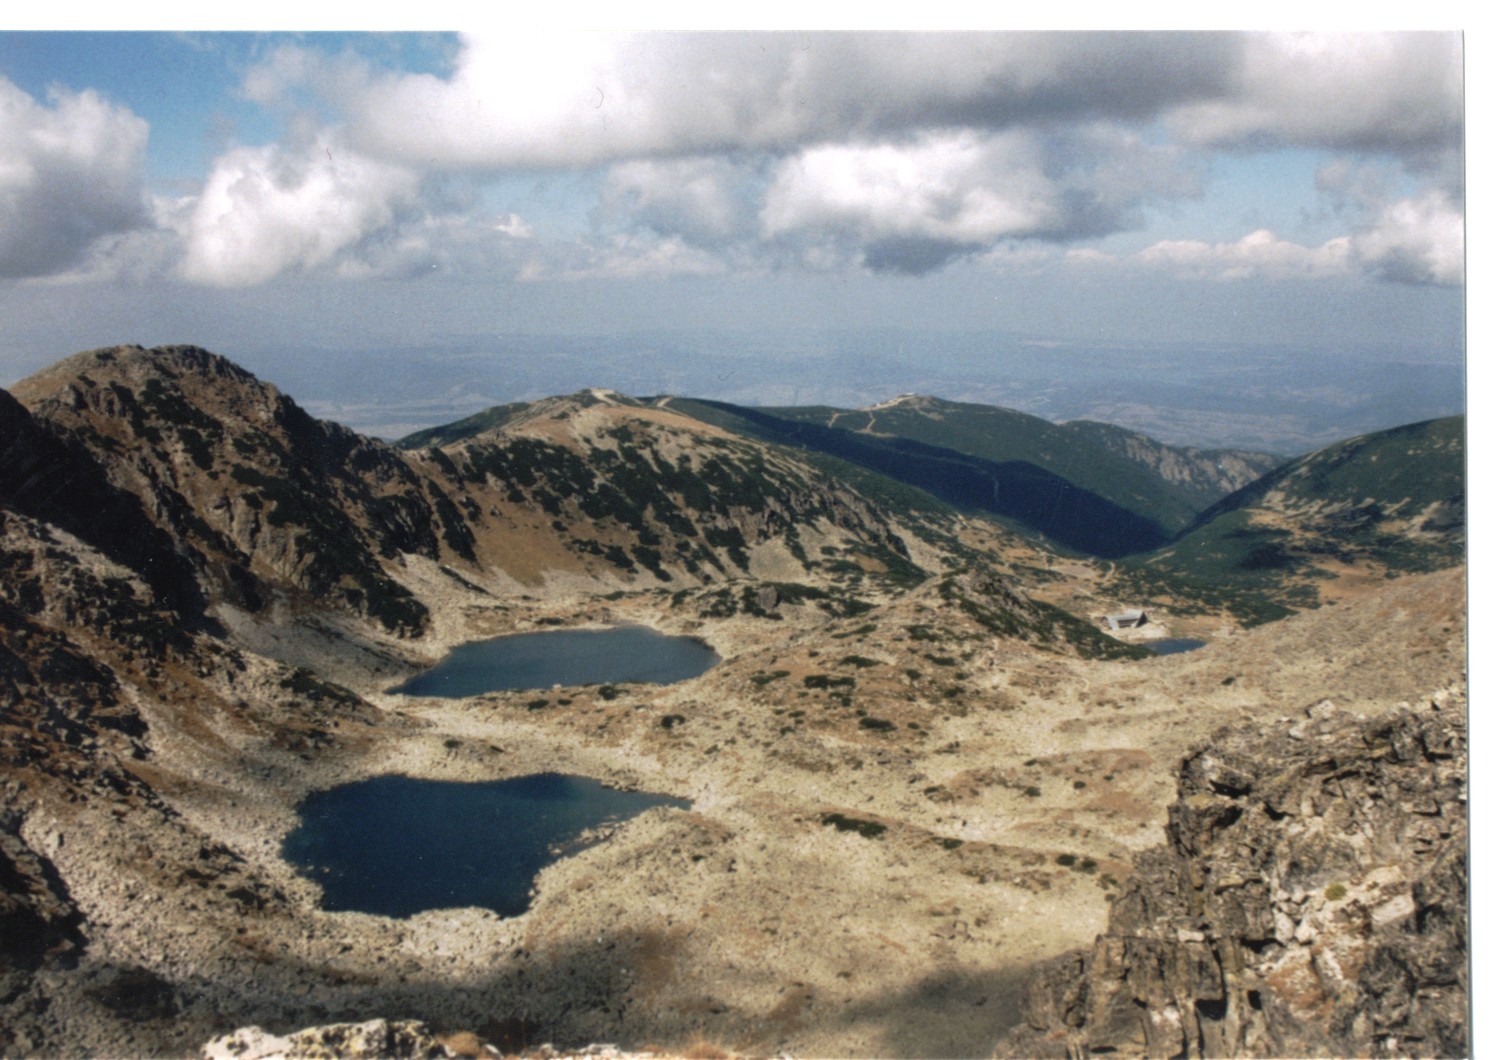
(919, 205)
(268, 210)
(69, 176)
(1418, 240)
(895, 152)
(710, 202)
(891, 152)
(913, 207)
(1415, 241)
(585, 99)
(447, 243)
(1258, 255)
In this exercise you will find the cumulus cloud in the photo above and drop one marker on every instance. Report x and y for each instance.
(268, 210)
(708, 202)
(913, 207)
(1260, 254)
(884, 151)
(1416, 241)
(1419, 240)
(586, 99)
(895, 152)
(560, 100)
(69, 177)
(496, 246)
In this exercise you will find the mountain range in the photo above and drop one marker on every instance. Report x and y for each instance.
(206, 594)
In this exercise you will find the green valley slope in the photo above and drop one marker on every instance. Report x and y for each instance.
(1379, 505)
(1167, 484)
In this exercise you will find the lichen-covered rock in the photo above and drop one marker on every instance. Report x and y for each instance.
(377, 1039)
(1311, 902)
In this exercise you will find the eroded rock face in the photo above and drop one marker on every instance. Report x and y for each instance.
(1311, 901)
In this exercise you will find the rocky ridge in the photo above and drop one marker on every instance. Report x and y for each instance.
(261, 505)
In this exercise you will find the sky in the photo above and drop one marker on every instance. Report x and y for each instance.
(297, 200)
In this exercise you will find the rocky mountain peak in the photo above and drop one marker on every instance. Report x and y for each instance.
(190, 366)
(252, 492)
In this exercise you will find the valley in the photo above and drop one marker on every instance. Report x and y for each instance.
(919, 770)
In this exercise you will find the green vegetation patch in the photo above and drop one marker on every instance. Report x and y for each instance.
(987, 599)
(762, 678)
(303, 682)
(867, 829)
(828, 681)
(1394, 498)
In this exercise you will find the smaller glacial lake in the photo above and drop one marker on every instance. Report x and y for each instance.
(395, 846)
(1173, 645)
(563, 657)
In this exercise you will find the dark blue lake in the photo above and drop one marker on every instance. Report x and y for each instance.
(395, 846)
(563, 657)
(1174, 645)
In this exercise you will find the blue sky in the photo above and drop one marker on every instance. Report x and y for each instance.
(273, 194)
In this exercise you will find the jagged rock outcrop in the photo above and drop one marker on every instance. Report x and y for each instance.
(55, 479)
(1311, 901)
(1203, 476)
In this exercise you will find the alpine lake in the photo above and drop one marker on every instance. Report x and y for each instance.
(396, 846)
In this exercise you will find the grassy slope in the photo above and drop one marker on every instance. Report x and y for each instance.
(1090, 456)
(1392, 500)
(485, 420)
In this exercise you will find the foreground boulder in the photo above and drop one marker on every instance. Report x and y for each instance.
(377, 1039)
(1311, 901)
